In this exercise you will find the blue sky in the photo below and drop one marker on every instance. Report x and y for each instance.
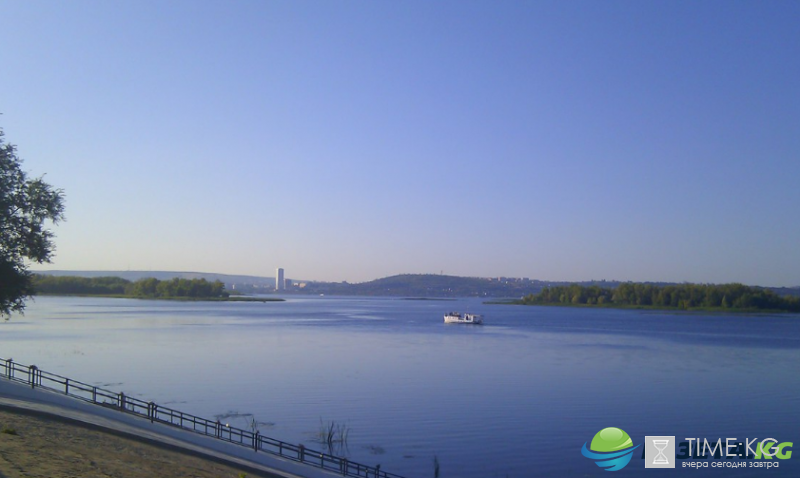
(653, 140)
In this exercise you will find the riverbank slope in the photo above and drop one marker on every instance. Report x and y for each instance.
(47, 432)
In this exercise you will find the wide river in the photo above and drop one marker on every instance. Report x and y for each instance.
(516, 397)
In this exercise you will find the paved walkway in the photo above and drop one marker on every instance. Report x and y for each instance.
(42, 402)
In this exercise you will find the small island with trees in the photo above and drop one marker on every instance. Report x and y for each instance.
(148, 288)
(721, 297)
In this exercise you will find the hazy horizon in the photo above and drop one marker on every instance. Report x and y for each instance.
(348, 141)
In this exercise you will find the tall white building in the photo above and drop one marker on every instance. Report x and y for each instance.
(279, 282)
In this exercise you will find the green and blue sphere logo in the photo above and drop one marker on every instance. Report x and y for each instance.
(611, 448)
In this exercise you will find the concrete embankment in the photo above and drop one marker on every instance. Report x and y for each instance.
(49, 425)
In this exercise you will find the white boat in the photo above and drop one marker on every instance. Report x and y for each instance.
(459, 318)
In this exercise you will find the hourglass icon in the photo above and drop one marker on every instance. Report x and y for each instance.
(658, 450)
(660, 445)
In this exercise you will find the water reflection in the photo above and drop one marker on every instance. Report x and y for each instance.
(521, 393)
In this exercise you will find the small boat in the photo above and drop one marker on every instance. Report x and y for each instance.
(459, 318)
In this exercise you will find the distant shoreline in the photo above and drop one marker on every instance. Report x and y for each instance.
(707, 298)
(427, 298)
(709, 310)
(177, 299)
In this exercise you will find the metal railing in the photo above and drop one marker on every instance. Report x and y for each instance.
(37, 378)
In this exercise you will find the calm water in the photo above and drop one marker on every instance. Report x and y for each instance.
(516, 397)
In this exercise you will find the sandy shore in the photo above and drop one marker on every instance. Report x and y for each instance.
(50, 448)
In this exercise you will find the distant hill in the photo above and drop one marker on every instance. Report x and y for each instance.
(434, 285)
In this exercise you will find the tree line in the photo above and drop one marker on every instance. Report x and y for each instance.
(681, 296)
(149, 288)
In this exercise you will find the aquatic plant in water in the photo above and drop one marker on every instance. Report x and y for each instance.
(334, 435)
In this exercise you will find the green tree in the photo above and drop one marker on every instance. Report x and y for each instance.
(682, 296)
(25, 206)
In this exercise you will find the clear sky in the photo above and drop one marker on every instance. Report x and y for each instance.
(352, 140)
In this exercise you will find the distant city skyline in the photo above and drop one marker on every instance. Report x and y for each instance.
(349, 141)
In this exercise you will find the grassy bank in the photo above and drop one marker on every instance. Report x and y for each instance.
(38, 445)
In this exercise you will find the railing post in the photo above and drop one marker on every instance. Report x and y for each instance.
(32, 375)
(94, 394)
(66, 386)
(151, 411)
(344, 466)
(10, 366)
(121, 400)
(256, 437)
(301, 451)
(219, 429)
